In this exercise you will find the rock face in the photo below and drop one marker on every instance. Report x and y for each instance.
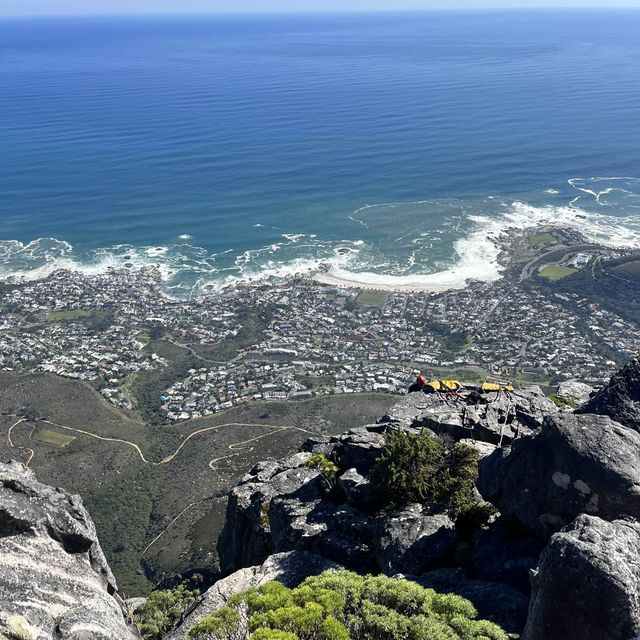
(289, 568)
(493, 418)
(620, 399)
(494, 601)
(54, 579)
(588, 583)
(576, 464)
(415, 539)
(501, 553)
(282, 506)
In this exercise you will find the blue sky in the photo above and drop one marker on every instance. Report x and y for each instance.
(44, 7)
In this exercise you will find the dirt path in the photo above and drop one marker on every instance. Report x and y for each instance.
(13, 446)
(237, 447)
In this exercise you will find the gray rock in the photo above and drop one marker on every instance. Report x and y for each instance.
(500, 603)
(501, 553)
(320, 445)
(573, 391)
(245, 539)
(620, 399)
(483, 448)
(357, 489)
(588, 583)
(414, 540)
(359, 448)
(576, 464)
(337, 532)
(54, 579)
(493, 418)
(289, 568)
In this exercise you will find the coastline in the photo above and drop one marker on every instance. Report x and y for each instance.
(415, 287)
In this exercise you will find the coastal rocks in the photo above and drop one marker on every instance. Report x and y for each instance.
(620, 399)
(587, 586)
(575, 464)
(573, 392)
(415, 539)
(54, 579)
(495, 418)
(288, 568)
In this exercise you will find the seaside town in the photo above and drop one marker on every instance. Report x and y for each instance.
(302, 338)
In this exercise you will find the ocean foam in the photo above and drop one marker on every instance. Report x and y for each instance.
(401, 244)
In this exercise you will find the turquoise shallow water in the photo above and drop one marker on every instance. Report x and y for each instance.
(228, 147)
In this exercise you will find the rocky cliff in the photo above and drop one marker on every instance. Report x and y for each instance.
(561, 481)
(54, 580)
(557, 560)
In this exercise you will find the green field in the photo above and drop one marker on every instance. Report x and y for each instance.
(68, 315)
(54, 438)
(541, 238)
(555, 272)
(372, 298)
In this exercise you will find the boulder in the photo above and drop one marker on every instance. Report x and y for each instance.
(359, 448)
(500, 603)
(414, 539)
(574, 392)
(575, 464)
(320, 445)
(357, 489)
(620, 399)
(495, 418)
(337, 532)
(54, 579)
(289, 568)
(587, 586)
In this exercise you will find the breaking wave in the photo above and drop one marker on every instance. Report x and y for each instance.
(440, 242)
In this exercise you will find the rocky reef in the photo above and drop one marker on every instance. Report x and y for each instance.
(54, 580)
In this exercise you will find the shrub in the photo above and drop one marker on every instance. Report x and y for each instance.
(328, 469)
(419, 468)
(345, 606)
(163, 610)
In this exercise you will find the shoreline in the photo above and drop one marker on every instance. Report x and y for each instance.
(413, 287)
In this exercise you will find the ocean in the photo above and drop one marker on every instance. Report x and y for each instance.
(393, 147)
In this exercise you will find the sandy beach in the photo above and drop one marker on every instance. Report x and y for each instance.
(338, 281)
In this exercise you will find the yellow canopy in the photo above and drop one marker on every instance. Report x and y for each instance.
(488, 387)
(444, 385)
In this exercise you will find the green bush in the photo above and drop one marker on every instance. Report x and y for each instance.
(163, 610)
(345, 606)
(420, 468)
(328, 469)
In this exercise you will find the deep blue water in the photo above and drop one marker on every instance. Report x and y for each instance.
(237, 130)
